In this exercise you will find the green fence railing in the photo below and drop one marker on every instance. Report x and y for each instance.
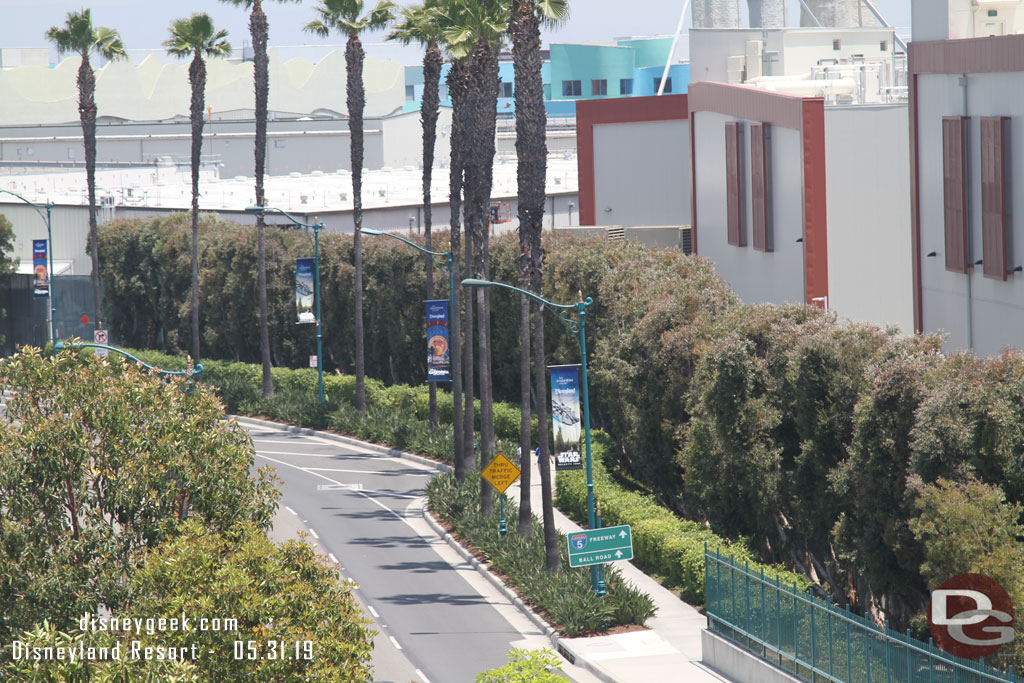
(818, 641)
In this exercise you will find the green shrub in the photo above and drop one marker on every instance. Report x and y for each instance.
(525, 666)
(564, 596)
(671, 547)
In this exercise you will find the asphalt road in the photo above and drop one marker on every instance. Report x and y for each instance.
(439, 620)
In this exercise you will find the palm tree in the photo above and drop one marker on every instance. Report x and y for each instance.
(196, 36)
(344, 16)
(259, 31)
(531, 152)
(419, 24)
(78, 35)
(474, 30)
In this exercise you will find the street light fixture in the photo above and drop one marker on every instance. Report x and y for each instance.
(578, 328)
(439, 258)
(189, 373)
(49, 247)
(316, 228)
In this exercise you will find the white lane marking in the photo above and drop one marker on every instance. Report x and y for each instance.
(313, 533)
(318, 455)
(420, 674)
(291, 511)
(332, 469)
(292, 442)
(395, 642)
(373, 611)
(334, 481)
(333, 558)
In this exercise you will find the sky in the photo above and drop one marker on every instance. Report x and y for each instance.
(143, 23)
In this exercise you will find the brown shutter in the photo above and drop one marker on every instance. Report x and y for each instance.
(954, 190)
(763, 236)
(733, 189)
(993, 196)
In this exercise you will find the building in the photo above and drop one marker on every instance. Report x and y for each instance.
(796, 194)
(967, 163)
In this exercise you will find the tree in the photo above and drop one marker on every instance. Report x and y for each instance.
(344, 16)
(419, 24)
(196, 36)
(283, 596)
(98, 462)
(531, 172)
(7, 264)
(78, 35)
(259, 30)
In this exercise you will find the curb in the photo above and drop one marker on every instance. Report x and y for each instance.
(348, 441)
(561, 644)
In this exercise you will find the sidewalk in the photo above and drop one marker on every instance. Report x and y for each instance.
(669, 651)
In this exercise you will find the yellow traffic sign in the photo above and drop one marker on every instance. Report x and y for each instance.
(500, 473)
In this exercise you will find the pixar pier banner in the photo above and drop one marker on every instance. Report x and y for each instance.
(438, 356)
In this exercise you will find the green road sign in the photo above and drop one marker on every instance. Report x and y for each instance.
(597, 546)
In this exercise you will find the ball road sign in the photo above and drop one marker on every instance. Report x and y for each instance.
(597, 546)
(500, 473)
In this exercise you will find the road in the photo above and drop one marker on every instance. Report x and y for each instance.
(439, 620)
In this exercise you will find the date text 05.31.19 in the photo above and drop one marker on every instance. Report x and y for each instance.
(273, 649)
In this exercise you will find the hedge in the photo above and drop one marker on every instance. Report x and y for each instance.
(665, 544)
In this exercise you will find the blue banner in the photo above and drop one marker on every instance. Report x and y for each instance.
(304, 290)
(41, 281)
(566, 416)
(439, 366)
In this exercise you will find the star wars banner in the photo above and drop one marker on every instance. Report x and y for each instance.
(304, 290)
(566, 416)
(41, 282)
(438, 357)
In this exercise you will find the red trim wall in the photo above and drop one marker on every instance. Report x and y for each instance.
(803, 114)
(590, 113)
(997, 54)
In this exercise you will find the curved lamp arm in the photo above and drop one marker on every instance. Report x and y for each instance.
(188, 374)
(559, 310)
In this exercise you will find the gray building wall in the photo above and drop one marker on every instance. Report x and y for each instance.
(977, 313)
(867, 167)
(757, 277)
(642, 173)
(292, 145)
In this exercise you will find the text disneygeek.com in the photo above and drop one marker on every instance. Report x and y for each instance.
(133, 649)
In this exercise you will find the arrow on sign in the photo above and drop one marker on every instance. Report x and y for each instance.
(618, 553)
(622, 534)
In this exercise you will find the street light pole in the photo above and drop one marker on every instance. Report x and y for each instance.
(577, 327)
(438, 256)
(316, 228)
(49, 248)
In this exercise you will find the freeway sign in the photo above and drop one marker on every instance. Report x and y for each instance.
(596, 546)
(500, 473)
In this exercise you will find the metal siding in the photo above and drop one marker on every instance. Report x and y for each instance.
(734, 201)
(954, 191)
(763, 238)
(993, 196)
(815, 203)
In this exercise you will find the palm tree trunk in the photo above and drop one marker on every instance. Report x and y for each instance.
(87, 115)
(428, 116)
(525, 505)
(355, 102)
(531, 150)
(197, 79)
(468, 392)
(484, 80)
(462, 464)
(258, 29)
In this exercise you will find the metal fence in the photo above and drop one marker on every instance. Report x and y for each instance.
(818, 641)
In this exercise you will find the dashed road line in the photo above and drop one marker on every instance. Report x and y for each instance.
(333, 558)
(373, 611)
(314, 534)
(395, 643)
(420, 674)
(291, 511)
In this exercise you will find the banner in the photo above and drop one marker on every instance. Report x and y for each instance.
(304, 290)
(565, 416)
(41, 283)
(438, 356)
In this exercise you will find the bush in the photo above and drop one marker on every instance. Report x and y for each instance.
(671, 547)
(525, 666)
(564, 596)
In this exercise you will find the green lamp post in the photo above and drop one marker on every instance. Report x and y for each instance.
(577, 327)
(49, 248)
(316, 228)
(189, 374)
